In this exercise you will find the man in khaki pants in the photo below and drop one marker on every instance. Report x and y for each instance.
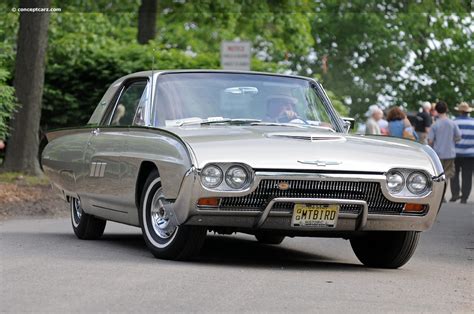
(442, 137)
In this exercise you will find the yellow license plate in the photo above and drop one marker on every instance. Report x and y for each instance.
(315, 215)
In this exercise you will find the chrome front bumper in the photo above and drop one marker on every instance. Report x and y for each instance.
(187, 211)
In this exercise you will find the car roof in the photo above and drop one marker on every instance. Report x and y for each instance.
(158, 72)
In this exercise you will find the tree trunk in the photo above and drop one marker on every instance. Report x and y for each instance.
(147, 21)
(22, 150)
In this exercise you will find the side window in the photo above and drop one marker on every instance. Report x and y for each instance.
(103, 105)
(98, 113)
(127, 104)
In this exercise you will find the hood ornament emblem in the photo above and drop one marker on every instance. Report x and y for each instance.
(283, 186)
(322, 163)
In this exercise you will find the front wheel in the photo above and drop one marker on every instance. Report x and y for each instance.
(163, 236)
(387, 249)
(85, 226)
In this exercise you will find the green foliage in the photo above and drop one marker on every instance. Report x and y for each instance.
(7, 103)
(7, 92)
(277, 30)
(21, 178)
(394, 52)
(342, 109)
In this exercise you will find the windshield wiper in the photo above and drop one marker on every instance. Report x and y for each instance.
(298, 125)
(231, 121)
(219, 120)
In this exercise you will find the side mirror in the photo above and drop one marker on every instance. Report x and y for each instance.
(348, 123)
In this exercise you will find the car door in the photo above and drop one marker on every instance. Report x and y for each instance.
(103, 192)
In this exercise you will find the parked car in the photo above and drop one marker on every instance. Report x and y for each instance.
(180, 153)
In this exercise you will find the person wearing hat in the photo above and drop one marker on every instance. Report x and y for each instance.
(464, 161)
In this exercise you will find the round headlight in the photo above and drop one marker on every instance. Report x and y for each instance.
(211, 176)
(395, 182)
(236, 177)
(417, 183)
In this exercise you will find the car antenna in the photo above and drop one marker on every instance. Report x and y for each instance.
(152, 76)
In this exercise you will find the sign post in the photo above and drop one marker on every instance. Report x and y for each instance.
(235, 55)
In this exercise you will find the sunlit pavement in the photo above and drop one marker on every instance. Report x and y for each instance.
(44, 268)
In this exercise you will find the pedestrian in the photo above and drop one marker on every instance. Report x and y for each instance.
(371, 126)
(424, 122)
(464, 161)
(399, 125)
(433, 113)
(443, 135)
(383, 125)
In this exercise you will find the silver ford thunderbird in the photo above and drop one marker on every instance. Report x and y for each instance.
(180, 153)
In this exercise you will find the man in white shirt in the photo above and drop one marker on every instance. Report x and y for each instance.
(371, 126)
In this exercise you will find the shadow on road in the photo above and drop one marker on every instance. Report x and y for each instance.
(217, 251)
(231, 251)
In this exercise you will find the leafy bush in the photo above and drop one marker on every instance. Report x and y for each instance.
(7, 103)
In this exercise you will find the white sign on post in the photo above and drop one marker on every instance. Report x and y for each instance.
(235, 55)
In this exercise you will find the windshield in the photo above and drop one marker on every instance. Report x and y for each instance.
(205, 98)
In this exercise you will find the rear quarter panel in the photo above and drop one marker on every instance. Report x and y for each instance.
(62, 158)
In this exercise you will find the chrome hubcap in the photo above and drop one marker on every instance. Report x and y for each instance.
(160, 217)
(76, 210)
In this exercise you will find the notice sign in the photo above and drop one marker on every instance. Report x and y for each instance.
(235, 55)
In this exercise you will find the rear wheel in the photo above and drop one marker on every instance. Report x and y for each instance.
(163, 236)
(85, 226)
(268, 238)
(388, 249)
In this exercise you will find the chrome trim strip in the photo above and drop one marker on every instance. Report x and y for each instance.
(97, 169)
(93, 165)
(191, 190)
(102, 169)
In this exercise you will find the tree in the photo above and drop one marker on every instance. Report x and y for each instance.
(393, 52)
(147, 21)
(22, 153)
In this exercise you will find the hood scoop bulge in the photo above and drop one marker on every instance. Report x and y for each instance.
(304, 136)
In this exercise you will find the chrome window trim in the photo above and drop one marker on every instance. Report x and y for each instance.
(115, 100)
(320, 92)
(339, 124)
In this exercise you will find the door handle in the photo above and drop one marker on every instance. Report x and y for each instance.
(95, 132)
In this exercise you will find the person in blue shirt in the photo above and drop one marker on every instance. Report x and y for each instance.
(464, 161)
(442, 137)
(399, 125)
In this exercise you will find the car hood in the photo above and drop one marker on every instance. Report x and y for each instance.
(302, 148)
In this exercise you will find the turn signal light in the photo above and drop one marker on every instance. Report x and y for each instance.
(414, 208)
(209, 201)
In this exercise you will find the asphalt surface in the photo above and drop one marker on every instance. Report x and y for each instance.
(44, 268)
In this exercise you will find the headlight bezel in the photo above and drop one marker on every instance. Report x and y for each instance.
(410, 178)
(228, 179)
(402, 186)
(202, 175)
(407, 192)
(224, 186)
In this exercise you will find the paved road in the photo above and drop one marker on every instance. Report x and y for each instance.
(44, 268)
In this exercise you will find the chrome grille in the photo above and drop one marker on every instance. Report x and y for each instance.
(268, 189)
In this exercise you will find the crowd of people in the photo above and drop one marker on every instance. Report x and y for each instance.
(451, 139)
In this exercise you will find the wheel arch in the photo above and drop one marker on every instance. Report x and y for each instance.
(146, 167)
